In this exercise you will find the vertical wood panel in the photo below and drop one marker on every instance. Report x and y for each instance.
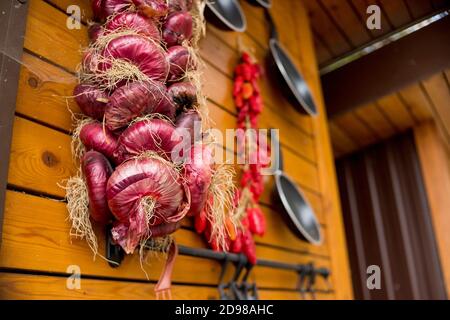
(327, 175)
(379, 227)
(435, 165)
(437, 88)
(382, 195)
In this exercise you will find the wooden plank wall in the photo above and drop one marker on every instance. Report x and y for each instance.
(36, 249)
(392, 114)
(340, 26)
(435, 164)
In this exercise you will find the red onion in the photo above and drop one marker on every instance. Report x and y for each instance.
(97, 170)
(136, 22)
(165, 106)
(97, 9)
(180, 5)
(189, 121)
(163, 229)
(102, 9)
(136, 187)
(198, 172)
(152, 8)
(183, 94)
(95, 31)
(133, 100)
(179, 61)
(139, 51)
(95, 137)
(90, 62)
(155, 135)
(177, 28)
(91, 100)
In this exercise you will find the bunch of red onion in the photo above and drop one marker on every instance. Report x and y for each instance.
(143, 166)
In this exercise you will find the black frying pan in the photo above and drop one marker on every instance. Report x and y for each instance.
(298, 213)
(299, 91)
(226, 14)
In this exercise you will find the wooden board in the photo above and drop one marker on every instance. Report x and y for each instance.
(47, 241)
(340, 26)
(34, 287)
(391, 114)
(41, 159)
(435, 164)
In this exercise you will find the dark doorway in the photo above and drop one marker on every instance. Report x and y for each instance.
(388, 223)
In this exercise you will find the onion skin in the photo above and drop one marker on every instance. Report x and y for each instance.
(154, 135)
(179, 5)
(198, 172)
(187, 121)
(138, 178)
(153, 9)
(133, 100)
(102, 9)
(179, 61)
(134, 21)
(95, 137)
(90, 62)
(97, 9)
(95, 31)
(91, 100)
(96, 170)
(177, 28)
(146, 55)
(164, 229)
(183, 94)
(165, 106)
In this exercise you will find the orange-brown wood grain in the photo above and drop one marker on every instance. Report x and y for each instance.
(327, 175)
(435, 164)
(41, 159)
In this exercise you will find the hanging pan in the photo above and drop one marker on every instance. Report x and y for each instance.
(297, 213)
(226, 14)
(299, 92)
(263, 3)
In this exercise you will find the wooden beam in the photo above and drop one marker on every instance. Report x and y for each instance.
(12, 24)
(401, 63)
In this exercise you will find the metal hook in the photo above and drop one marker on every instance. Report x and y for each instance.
(312, 281)
(325, 274)
(222, 285)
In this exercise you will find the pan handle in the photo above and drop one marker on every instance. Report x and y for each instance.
(273, 28)
(278, 151)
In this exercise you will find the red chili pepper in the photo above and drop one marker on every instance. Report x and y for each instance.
(236, 245)
(256, 221)
(248, 246)
(247, 90)
(200, 222)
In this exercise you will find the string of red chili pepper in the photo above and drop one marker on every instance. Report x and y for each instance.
(249, 104)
